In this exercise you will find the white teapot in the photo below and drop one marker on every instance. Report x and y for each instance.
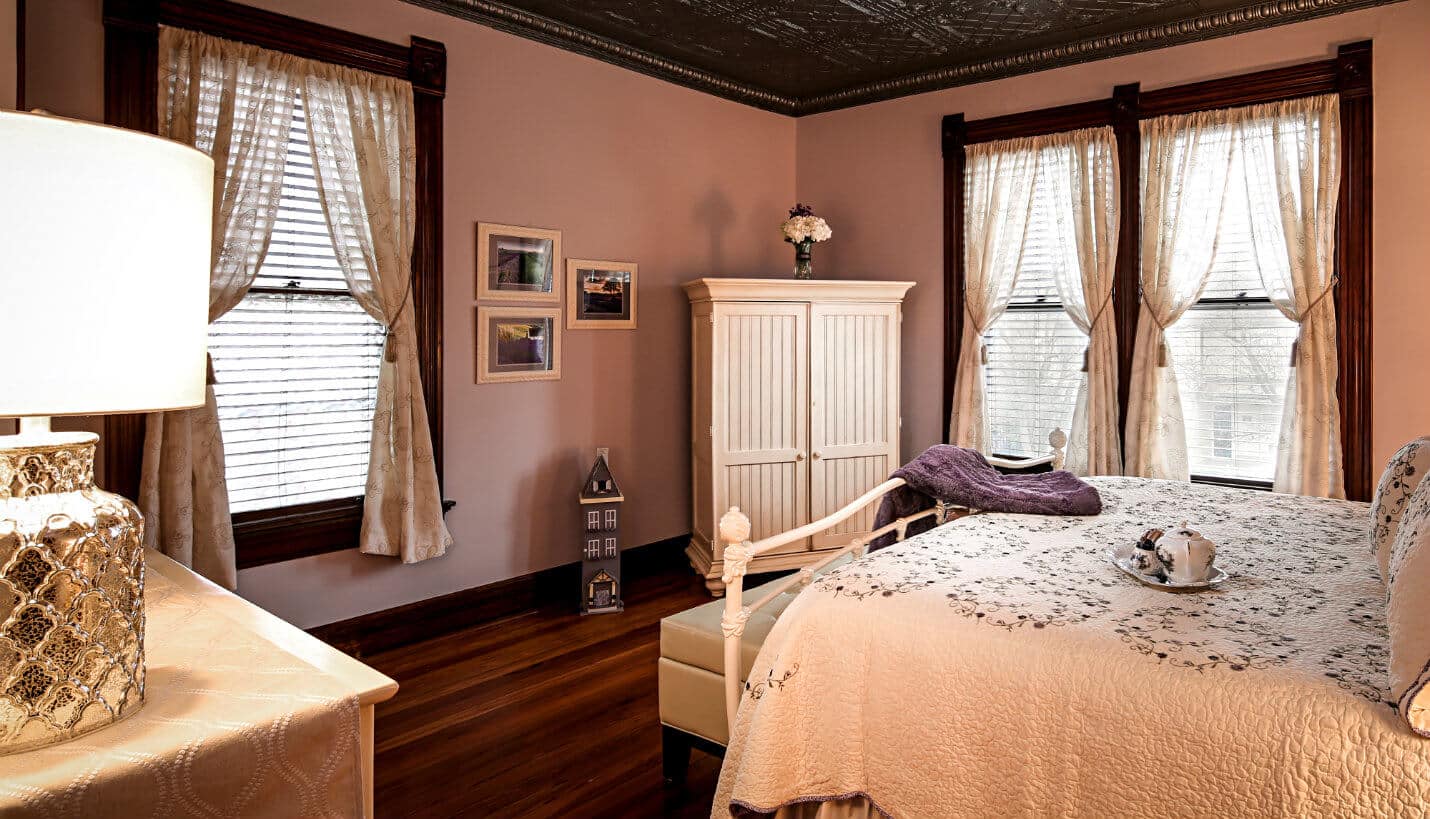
(1186, 556)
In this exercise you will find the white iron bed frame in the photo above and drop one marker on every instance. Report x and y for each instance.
(735, 532)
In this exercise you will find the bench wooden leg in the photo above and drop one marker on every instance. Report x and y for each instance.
(675, 746)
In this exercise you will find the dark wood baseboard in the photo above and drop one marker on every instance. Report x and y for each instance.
(555, 587)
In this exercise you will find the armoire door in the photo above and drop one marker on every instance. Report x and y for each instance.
(853, 409)
(761, 369)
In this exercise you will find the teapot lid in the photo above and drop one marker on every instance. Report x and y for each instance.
(1182, 531)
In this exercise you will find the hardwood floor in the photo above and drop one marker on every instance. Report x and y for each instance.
(543, 714)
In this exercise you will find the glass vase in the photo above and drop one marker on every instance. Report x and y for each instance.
(803, 259)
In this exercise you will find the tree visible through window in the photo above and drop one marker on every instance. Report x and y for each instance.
(296, 363)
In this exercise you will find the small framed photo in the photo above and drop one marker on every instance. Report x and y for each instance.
(518, 344)
(601, 295)
(518, 263)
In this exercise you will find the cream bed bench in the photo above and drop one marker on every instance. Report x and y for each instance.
(697, 697)
(692, 673)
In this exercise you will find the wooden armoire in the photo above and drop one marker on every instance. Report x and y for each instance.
(794, 410)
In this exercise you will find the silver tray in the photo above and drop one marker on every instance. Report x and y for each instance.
(1217, 578)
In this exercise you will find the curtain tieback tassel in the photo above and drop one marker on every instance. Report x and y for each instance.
(983, 354)
(1295, 348)
(1086, 353)
(1163, 356)
(390, 346)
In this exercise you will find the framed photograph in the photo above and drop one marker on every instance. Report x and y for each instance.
(601, 295)
(518, 344)
(518, 263)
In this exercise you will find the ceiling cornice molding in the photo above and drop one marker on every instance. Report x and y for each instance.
(1194, 29)
(552, 32)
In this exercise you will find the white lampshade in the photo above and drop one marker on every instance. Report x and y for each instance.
(104, 268)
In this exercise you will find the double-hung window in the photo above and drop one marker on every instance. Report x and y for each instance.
(1293, 147)
(296, 362)
(1035, 352)
(1232, 354)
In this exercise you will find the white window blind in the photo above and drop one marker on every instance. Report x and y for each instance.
(1034, 350)
(296, 363)
(1232, 351)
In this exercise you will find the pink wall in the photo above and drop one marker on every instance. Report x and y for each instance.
(628, 167)
(689, 185)
(875, 172)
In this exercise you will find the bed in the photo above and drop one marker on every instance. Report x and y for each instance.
(999, 665)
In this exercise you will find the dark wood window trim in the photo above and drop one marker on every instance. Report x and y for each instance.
(131, 53)
(1348, 74)
(19, 55)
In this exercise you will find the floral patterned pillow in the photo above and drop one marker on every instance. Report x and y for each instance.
(1408, 612)
(1402, 475)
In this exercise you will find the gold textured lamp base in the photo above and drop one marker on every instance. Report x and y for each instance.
(71, 594)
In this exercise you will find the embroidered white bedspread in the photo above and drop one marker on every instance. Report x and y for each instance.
(1001, 666)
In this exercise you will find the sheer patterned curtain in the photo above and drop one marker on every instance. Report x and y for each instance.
(1291, 153)
(364, 156)
(1186, 161)
(1080, 168)
(234, 103)
(998, 195)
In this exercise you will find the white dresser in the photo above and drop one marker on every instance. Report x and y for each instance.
(244, 715)
(794, 410)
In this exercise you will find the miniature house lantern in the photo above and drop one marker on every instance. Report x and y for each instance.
(601, 541)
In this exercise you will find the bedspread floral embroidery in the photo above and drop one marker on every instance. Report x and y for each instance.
(757, 690)
(1302, 594)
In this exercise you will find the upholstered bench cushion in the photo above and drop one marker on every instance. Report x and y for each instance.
(692, 659)
(693, 636)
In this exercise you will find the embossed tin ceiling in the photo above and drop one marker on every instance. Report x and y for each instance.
(801, 57)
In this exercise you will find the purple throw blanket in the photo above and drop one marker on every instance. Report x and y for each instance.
(962, 477)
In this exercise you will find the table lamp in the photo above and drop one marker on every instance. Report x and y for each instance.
(104, 271)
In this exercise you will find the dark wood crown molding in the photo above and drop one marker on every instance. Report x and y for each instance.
(1206, 26)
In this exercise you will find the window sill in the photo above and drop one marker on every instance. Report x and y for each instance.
(1233, 483)
(275, 535)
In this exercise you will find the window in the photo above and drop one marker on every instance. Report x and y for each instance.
(593, 549)
(1232, 353)
(1035, 351)
(1232, 349)
(611, 548)
(610, 518)
(296, 363)
(593, 520)
(269, 533)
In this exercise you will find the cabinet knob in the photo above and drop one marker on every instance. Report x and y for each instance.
(814, 455)
(799, 456)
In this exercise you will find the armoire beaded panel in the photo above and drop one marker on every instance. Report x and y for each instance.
(794, 410)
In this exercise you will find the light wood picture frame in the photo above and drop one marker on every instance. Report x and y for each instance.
(601, 295)
(518, 264)
(518, 344)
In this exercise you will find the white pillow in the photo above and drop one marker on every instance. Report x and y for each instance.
(1402, 475)
(1408, 612)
